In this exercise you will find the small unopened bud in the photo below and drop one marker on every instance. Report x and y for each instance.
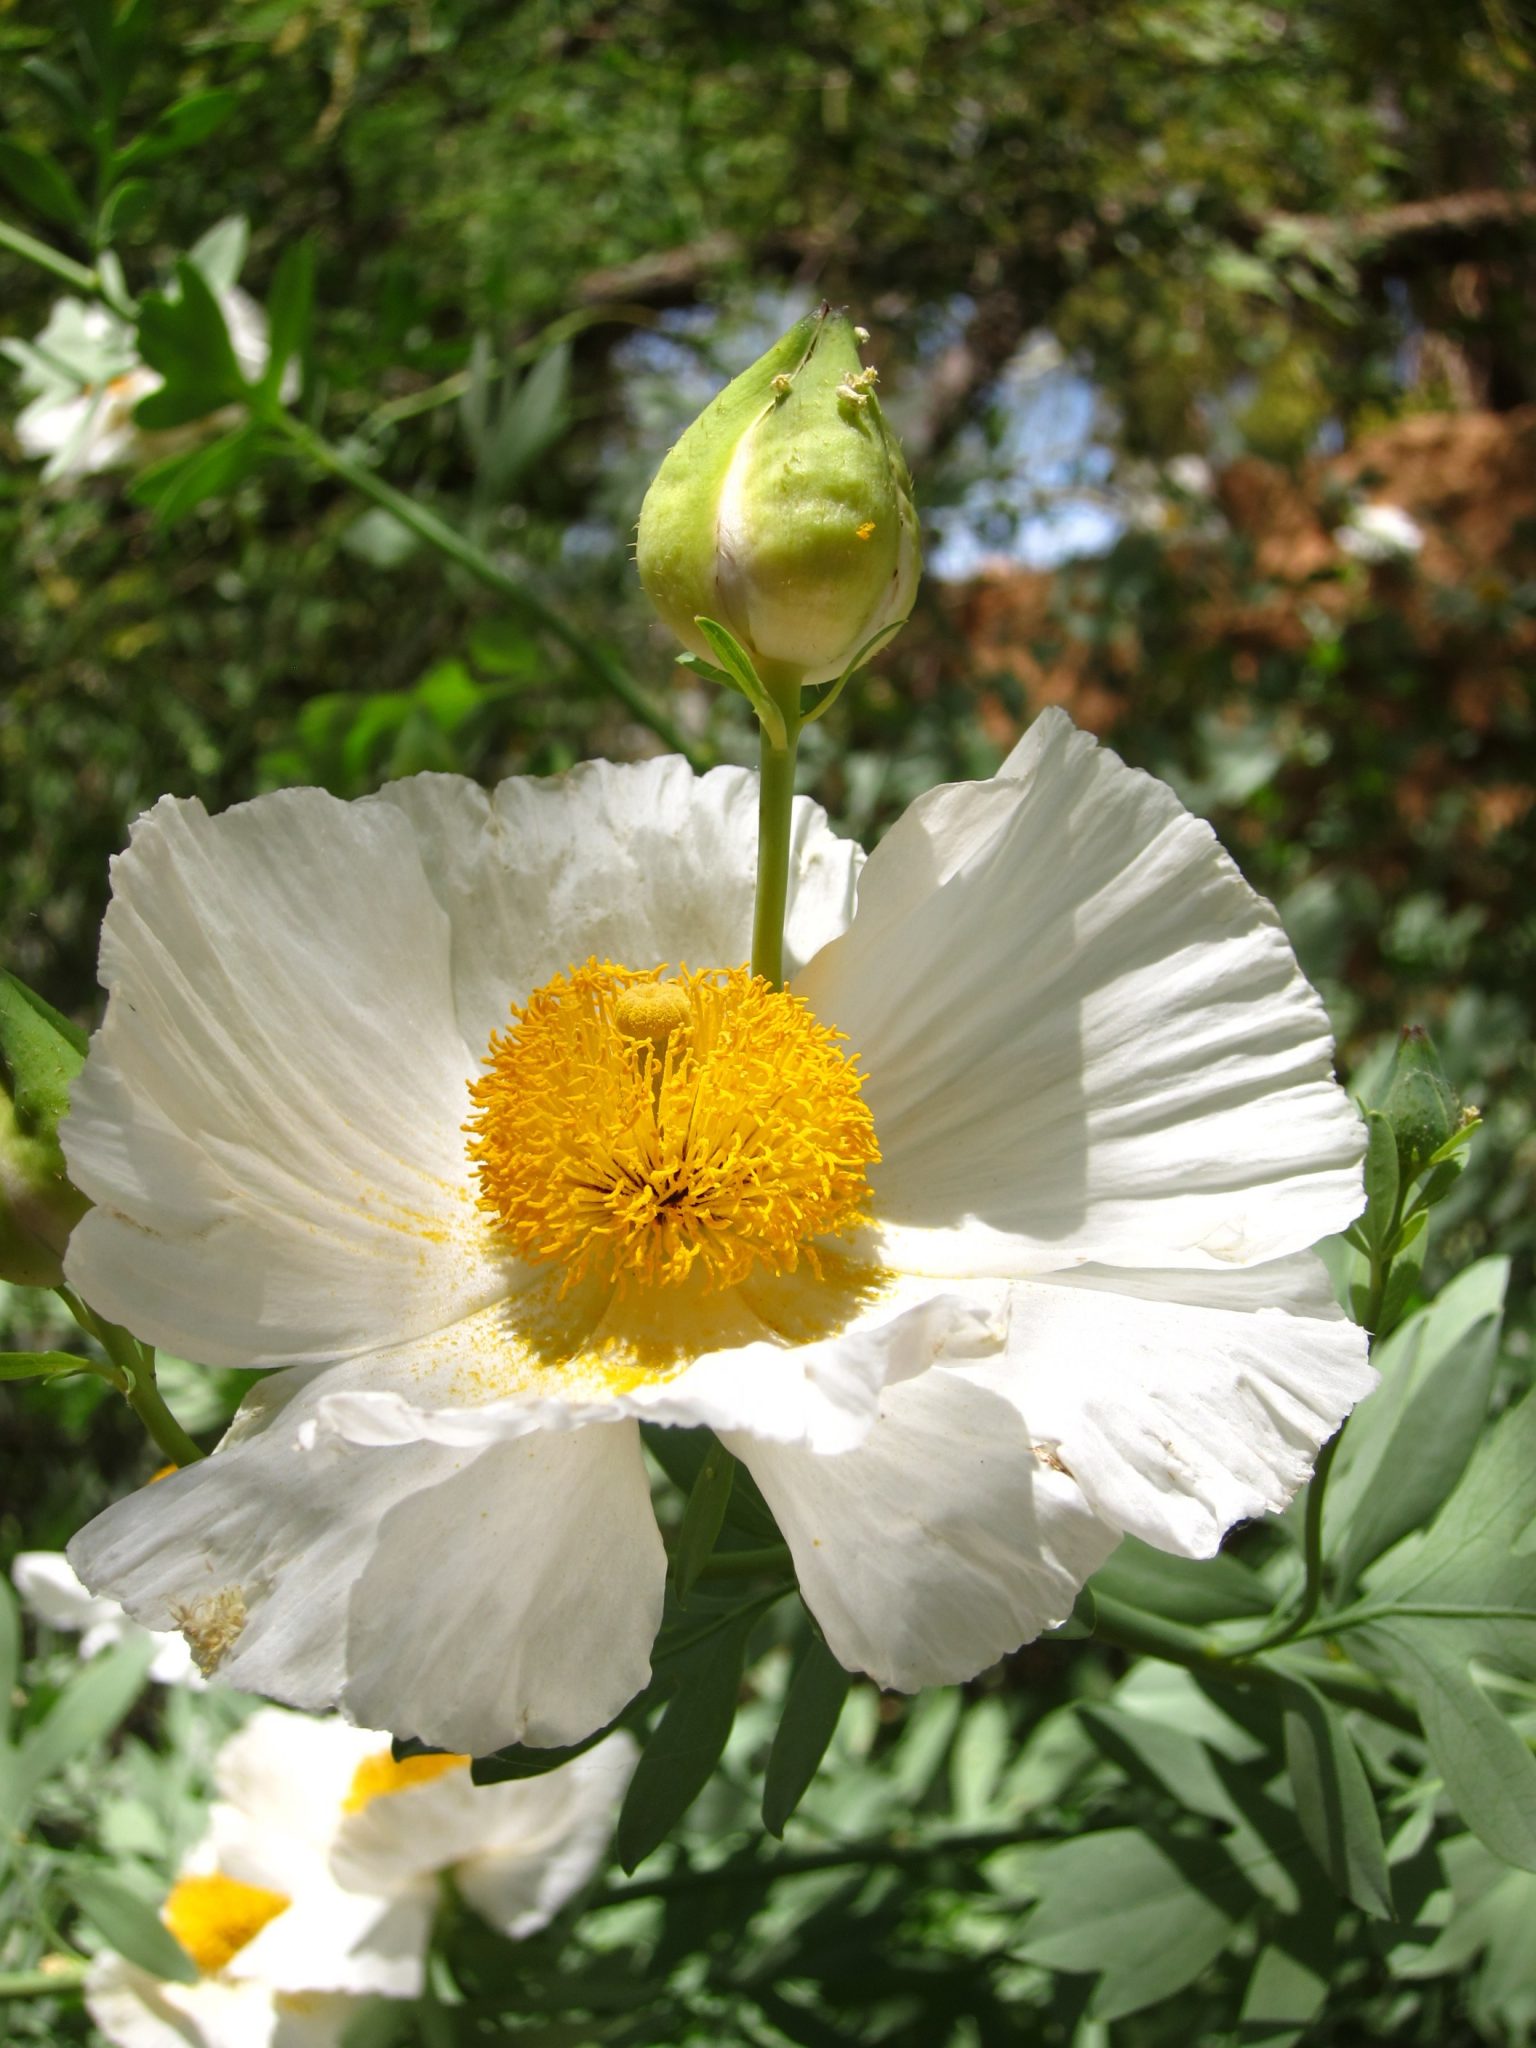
(785, 512)
(39, 1206)
(1420, 1103)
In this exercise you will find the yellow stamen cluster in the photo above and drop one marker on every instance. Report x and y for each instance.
(380, 1774)
(213, 1917)
(641, 1129)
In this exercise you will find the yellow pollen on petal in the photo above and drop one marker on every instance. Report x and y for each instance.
(212, 1626)
(380, 1774)
(640, 1131)
(214, 1917)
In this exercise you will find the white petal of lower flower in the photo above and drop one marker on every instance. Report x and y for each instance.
(640, 864)
(478, 1383)
(941, 1543)
(1183, 1414)
(517, 1851)
(286, 1775)
(134, 2010)
(1085, 1035)
(269, 1121)
(330, 1939)
(47, 1583)
(428, 1589)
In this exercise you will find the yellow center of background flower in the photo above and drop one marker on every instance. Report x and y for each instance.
(643, 1130)
(213, 1917)
(380, 1774)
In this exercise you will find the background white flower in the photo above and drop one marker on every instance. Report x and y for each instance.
(48, 1585)
(1108, 1131)
(316, 1883)
(1380, 533)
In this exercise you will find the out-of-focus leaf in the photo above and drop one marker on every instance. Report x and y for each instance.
(219, 253)
(63, 92)
(1408, 1445)
(288, 312)
(1144, 1913)
(378, 538)
(41, 182)
(126, 203)
(817, 1689)
(41, 1365)
(10, 1652)
(1334, 1802)
(128, 1924)
(181, 483)
(184, 337)
(1381, 1179)
(182, 126)
(85, 1712)
(1284, 1995)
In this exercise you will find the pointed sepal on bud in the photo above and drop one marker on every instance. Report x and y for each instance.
(784, 514)
(1420, 1104)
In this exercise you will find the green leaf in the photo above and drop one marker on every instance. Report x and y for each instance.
(86, 1712)
(1409, 1444)
(10, 1652)
(45, 1365)
(518, 1761)
(1465, 1589)
(1381, 1180)
(128, 1923)
(1334, 1801)
(737, 664)
(42, 182)
(681, 1452)
(41, 1052)
(219, 252)
(685, 1745)
(184, 337)
(1488, 1768)
(1184, 1589)
(64, 93)
(702, 1518)
(1145, 1912)
(289, 306)
(812, 1705)
(182, 126)
(125, 204)
(181, 483)
(1283, 1996)
(535, 415)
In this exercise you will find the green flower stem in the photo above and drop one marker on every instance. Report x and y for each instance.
(457, 547)
(134, 1379)
(749, 1564)
(775, 800)
(64, 268)
(65, 1980)
(1149, 1635)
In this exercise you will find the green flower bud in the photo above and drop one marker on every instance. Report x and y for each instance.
(40, 1054)
(1420, 1103)
(785, 512)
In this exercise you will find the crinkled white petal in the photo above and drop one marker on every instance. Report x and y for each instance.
(639, 864)
(941, 1543)
(517, 1851)
(429, 1589)
(134, 2010)
(301, 990)
(1183, 1403)
(477, 1383)
(269, 1119)
(1086, 1038)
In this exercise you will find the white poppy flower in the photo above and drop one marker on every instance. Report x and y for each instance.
(316, 1883)
(136, 2010)
(51, 1590)
(84, 378)
(1079, 1301)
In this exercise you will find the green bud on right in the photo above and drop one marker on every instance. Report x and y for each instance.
(1420, 1103)
(40, 1055)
